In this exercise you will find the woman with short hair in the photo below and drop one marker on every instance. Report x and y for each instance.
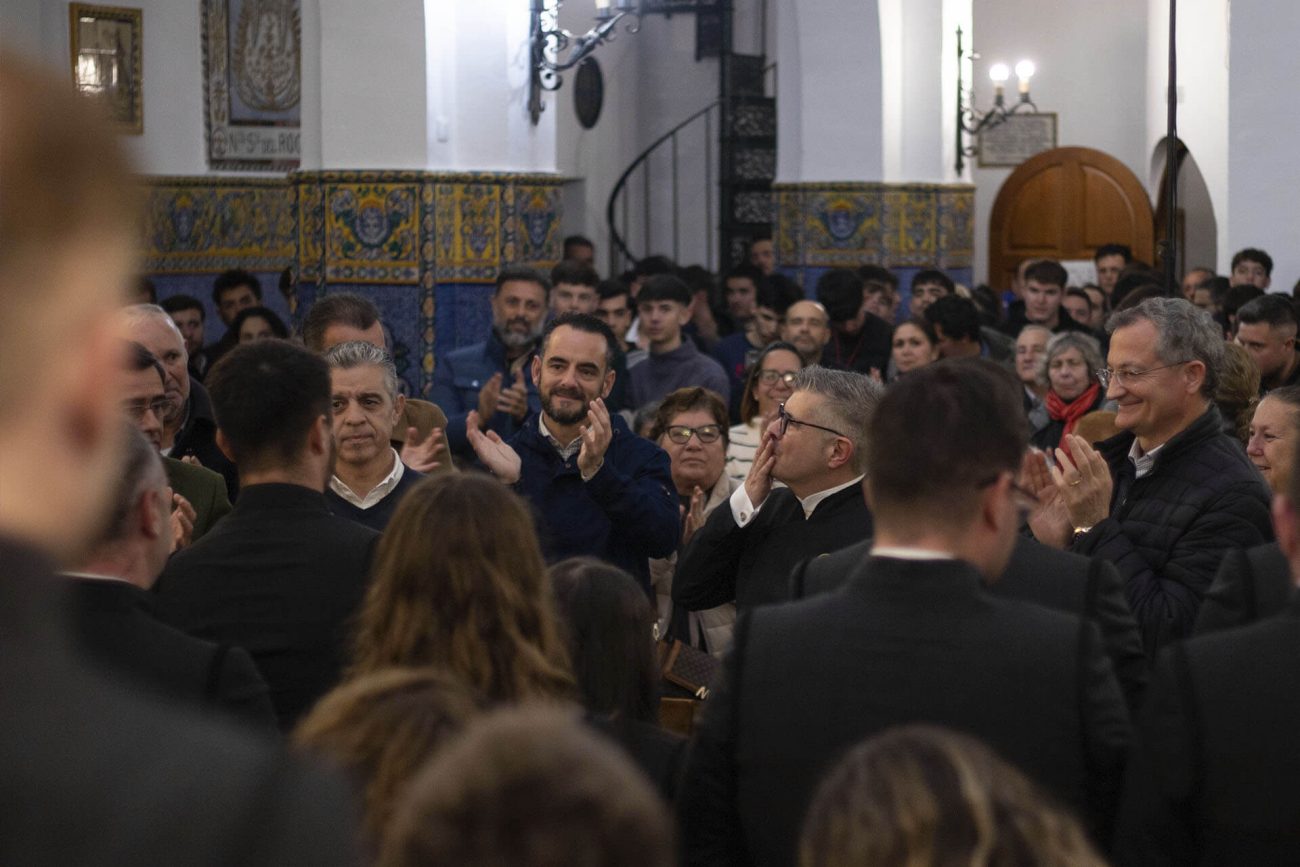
(1070, 368)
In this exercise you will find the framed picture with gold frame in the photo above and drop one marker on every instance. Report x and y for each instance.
(106, 49)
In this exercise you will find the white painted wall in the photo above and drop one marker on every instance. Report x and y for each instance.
(1263, 128)
(829, 110)
(1092, 71)
(172, 142)
(477, 86)
(372, 68)
(1203, 78)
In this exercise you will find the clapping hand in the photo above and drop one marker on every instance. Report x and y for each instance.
(693, 518)
(1083, 479)
(513, 401)
(1050, 522)
(500, 459)
(182, 521)
(596, 436)
(423, 455)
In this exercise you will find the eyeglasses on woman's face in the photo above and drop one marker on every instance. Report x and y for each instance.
(681, 434)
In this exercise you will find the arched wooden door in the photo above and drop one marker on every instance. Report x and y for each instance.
(1064, 204)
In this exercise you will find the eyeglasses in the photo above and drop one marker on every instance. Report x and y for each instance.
(1105, 376)
(681, 434)
(135, 409)
(770, 377)
(784, 419)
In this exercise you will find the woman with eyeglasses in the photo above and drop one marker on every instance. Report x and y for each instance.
(766, 388)
(1070, 368)
(691, 426)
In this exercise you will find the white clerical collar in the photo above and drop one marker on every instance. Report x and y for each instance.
(378, 492)
(812, 501)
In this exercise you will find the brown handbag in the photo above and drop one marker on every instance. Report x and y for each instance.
(686, 667)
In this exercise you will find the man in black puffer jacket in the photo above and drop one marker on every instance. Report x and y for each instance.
(1168, 497)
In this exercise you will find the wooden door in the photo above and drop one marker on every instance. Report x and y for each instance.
(1064, 204)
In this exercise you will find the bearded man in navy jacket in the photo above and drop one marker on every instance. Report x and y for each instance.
(596, 487)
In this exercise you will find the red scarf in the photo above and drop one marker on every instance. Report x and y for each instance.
(1070, 413)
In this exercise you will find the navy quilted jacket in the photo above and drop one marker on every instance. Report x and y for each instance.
(1168, 532)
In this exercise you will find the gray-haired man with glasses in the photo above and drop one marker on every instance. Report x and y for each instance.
(817, 448)
(1166, 498)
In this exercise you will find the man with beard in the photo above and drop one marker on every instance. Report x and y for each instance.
(489, 378)
(596, 488)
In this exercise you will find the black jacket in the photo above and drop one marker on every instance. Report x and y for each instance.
(1086, 588)
(94, 774)
(752, 564)
(115, 625)
(903, 642)
(868, 349)
(1251, 585)
(281, 577)
(1168, 532)
(1212, 779)
(198, 438)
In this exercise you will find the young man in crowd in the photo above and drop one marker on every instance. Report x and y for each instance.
(491, 378)
(1266, 327)
(928, 287)
(1044, 291)
(663, 307)
(188, 314)
(736, 352)
(578, 248)
(1109, 260)
(369, 477)
(574, 288)
(860, 340)
(597, 489)
(956, 322)
(232, 291)
(1252, 267)
(279, 576)
(614, 308)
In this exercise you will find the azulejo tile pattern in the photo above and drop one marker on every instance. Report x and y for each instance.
(206, 225)
(829, 225)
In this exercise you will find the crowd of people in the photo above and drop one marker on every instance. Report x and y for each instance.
(671, 568)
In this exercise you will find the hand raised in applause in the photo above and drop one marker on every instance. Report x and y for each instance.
(500, 459)
(1083, 478)
(488, 398)
(424, 455)
(596, 436)
(513, 401)
(182, 521)
(693, 518)
(1050, 522)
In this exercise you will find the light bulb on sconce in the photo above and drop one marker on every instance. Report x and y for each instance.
(1025, 71)
(999, 74)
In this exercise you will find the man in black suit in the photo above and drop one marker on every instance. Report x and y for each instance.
(1212, 775)
(817, 447)
(911, 637)
(279, 576)
(92, 773)
(1251, 584)
(1087, 588)
(113, 609)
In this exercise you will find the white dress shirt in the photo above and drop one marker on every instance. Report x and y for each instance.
(377, 493)
(744, 511)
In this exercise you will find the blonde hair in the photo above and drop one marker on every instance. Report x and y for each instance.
(459, 582)
(381, 728)
(922, 796)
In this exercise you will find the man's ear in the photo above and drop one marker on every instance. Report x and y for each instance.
(1194, 376)
(536, 370)
(154, 517)
(320, 437)
(841, 453)
(399, 407)
(609, 383)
